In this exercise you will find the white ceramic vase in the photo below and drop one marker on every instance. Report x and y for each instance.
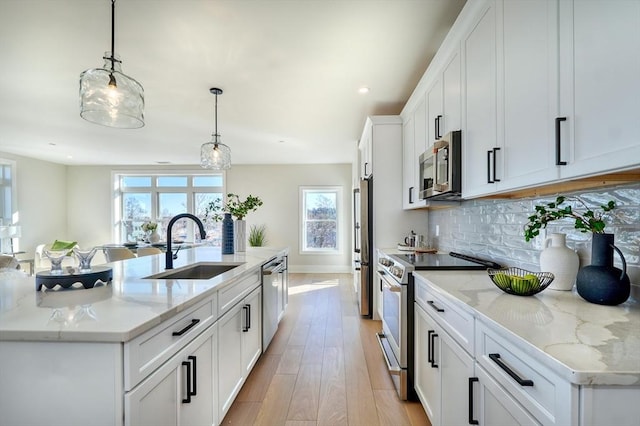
(240, 235)
(561, 261)
(154, 237)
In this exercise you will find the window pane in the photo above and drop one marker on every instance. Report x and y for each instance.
(200, 181)
(164, 181)
(136, 208)
(321, 235)
(214, 229)
(135, 181)
(321, 205)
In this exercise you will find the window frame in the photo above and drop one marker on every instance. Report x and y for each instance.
(155, 190)
(338, 190)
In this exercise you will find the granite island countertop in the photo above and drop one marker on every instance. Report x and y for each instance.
(121, 310)
(585, 343)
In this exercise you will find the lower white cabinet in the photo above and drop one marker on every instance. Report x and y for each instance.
(442, 373)
(181, 391)
(239, 347)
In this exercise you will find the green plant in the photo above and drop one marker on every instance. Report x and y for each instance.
(584, 222)
(257, 235)
(237, 208)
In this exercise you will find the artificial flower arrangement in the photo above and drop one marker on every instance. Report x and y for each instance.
(149, 226)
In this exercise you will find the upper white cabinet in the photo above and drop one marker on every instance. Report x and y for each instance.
(452, 94)
(600, 86)
(434, 111)
(409, 166)
(365, 147)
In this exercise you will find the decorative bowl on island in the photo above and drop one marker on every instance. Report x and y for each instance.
(520, 281)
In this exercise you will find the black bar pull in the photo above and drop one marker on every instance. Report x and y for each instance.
(558, 141)
(187, 400)
(438, 135)
(522, 382)
(433, 305)
(193, 392)
(248, 316)
(433, 348)
(245, 327)
(430, 347)
(489, 166)
(472, 421)
(411, 195)
(495, 160)
(187, 328)
(365, 168)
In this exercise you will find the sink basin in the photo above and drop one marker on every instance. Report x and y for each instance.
(197, 271)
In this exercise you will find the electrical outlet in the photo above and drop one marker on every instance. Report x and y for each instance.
(437, 230)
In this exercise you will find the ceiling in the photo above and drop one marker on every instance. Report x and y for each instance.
(290, 71)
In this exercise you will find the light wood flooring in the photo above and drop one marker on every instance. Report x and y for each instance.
(323, 367)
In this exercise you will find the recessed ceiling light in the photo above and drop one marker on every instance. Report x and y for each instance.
(52, 144)
(163, 162)
(69, 157)
(363, 90)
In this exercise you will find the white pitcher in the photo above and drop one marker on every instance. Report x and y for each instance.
(561, 261)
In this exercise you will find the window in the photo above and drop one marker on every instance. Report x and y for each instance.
(159, 197)
(8, 207)
(320, 213)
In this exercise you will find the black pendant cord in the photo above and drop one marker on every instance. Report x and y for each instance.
(216, 116)
(113, 36)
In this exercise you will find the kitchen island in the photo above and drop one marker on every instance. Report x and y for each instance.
(95, 356)
(554, 358)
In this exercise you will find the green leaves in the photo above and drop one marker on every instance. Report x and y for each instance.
(237, 208)
(589, 221)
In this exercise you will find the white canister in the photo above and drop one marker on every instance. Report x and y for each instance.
(561, 261)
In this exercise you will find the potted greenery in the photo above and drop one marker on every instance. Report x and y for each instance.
(257, 235)
(599, 282)
(218, 210)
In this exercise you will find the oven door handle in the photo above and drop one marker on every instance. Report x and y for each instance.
(395, 288)
(394, 369)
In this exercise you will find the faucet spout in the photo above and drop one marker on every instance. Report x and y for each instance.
(169, 253)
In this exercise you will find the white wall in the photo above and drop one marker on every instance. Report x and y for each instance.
(279, 187)
(41, 202)
(74, 203)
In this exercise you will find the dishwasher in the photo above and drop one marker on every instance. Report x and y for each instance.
(274, 297)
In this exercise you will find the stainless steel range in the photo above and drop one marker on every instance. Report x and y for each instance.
(395, 277)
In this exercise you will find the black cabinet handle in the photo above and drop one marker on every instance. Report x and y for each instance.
(558, 141)
(433, 305)
(194, 392)
(187, 400)
(365, 168)
(489, 153)
(430, 347)
(495, 160)
(411, 195)
(187, 328)
(472, 421)
(433, 350)
(438, 135)
(248, 315)
(245, 328)
(522, 382)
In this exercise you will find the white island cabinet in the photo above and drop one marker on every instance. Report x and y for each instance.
(137, 351)
(489, 358)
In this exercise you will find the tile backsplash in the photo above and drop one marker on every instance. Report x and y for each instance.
(494, 229)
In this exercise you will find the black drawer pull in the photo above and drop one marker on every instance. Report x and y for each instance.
(558, 142)
(522, 382)
(187, 400)
(433, 305)
(433, 350)
(193, 392)
(248, 316)
(472, 421)
(430, 347)
(187, 328)
(245, 328)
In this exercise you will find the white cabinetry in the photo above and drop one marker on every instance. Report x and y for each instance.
(600, 88)
(409, 166)
(181, 391)
(239, 347)
(366, 151)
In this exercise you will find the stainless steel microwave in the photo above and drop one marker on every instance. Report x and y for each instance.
(441, 169)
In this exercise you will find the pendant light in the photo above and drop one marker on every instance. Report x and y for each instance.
(215, 155)
(107, 96)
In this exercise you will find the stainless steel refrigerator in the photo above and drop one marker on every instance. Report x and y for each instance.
(365, 232)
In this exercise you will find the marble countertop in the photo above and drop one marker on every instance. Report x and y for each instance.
(583, 342)
(121, 310)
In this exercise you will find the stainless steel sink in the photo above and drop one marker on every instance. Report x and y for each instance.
(197, 271)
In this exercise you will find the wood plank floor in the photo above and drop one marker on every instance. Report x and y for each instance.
(323, 367)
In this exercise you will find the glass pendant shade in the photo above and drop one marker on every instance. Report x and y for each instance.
(110, 98)
(215, 155)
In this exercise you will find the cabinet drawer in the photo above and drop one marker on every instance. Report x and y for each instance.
(458, 323)
(542, 392)
(237, 290)
(148, 351)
